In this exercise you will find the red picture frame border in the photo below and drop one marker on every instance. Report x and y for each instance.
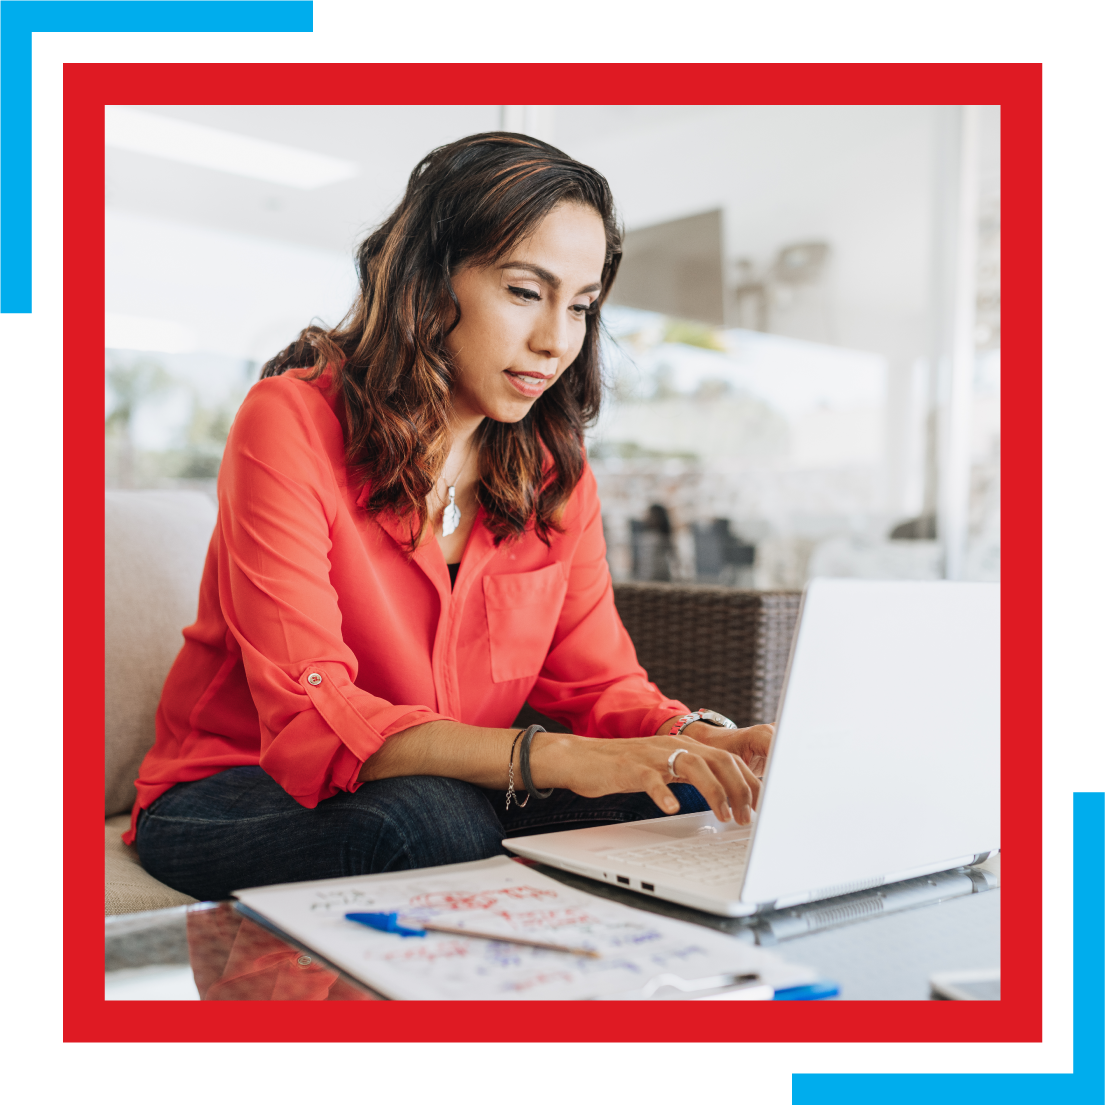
(1016, 88)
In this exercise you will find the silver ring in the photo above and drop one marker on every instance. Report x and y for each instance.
(671, 762)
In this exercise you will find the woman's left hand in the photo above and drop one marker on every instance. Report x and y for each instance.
(752, 744)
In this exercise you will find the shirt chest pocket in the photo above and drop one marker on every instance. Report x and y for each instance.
(522, 612)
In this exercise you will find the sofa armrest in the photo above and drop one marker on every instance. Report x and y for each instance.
(128, 888)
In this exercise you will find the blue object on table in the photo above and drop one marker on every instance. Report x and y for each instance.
(813, 992)
(385, 922)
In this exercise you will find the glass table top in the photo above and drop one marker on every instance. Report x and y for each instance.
(883, 943)
(209, 951)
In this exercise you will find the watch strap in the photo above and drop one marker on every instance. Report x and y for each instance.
(711, 717)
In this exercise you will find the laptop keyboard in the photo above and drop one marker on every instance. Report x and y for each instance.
(705, 861)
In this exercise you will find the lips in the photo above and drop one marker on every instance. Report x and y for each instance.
(530, 385)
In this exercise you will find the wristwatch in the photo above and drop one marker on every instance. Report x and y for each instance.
(711, 717)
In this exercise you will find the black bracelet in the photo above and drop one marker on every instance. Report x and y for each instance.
(523, 760)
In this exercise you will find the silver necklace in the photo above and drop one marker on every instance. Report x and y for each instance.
(450, 516)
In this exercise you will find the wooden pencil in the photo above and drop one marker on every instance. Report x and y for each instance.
(433, 926)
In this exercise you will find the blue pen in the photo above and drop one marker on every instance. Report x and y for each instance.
(813, 992)
(385, 922)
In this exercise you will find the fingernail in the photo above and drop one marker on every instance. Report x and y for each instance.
(671, 804)
(746, 815)
(726, 812)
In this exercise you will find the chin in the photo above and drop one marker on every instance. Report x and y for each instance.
(509, 412)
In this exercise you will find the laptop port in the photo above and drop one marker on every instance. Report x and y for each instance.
(623, 879)
(647, 886)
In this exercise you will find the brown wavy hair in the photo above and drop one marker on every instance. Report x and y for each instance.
(467, 203)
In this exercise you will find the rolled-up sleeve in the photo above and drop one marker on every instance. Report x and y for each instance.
(591, 679)
(278, 500)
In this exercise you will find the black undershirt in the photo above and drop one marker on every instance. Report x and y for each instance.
(453, 569)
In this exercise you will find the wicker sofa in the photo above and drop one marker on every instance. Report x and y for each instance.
(710, 646)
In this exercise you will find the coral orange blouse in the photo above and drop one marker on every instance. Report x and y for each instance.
(318, 635)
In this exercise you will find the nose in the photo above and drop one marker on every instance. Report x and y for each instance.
(552, 335)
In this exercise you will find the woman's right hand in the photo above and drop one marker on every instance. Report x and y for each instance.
(592, 767)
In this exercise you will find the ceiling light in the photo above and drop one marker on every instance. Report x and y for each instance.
(126, 128)
(148, 335)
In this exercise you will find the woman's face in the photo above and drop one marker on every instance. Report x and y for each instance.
(523, 319)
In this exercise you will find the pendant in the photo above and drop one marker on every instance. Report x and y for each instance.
(450, 517)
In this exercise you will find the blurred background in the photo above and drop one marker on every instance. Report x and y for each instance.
(802, 349)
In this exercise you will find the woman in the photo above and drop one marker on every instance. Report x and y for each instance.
(409, 547)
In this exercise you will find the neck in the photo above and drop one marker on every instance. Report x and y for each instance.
(461, 445)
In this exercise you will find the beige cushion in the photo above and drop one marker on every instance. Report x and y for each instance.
(127, 887)
(155, 544)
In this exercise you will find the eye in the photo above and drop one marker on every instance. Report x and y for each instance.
(528, 294)
(582, 310)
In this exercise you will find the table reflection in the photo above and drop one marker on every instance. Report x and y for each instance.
(235, 959)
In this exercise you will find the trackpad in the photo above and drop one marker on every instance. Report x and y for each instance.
(711, 828)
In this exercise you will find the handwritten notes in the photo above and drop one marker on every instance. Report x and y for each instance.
(640, 954)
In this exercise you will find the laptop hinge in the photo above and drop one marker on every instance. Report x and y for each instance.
(788, 900)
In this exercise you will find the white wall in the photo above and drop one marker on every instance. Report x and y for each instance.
(857, 177)
(239, 295)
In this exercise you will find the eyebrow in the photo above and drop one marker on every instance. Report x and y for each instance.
(552, 280)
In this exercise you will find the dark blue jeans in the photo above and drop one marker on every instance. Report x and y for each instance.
(239, 828)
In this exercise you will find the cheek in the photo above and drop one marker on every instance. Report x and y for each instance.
(476, 349)
(481, 335)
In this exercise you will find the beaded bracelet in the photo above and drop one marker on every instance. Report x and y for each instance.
(510, 792)
(523, 759)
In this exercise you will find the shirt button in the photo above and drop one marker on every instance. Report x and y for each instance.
(314, 679)
(304, 960)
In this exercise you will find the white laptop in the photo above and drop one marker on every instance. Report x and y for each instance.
(885, 764)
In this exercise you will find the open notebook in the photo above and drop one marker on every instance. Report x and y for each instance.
(641, 955)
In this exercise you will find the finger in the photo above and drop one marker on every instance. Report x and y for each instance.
(751, 778)
(723, 779)
(658, 791)
(741, 785)
(757, 741)
(694, 769)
